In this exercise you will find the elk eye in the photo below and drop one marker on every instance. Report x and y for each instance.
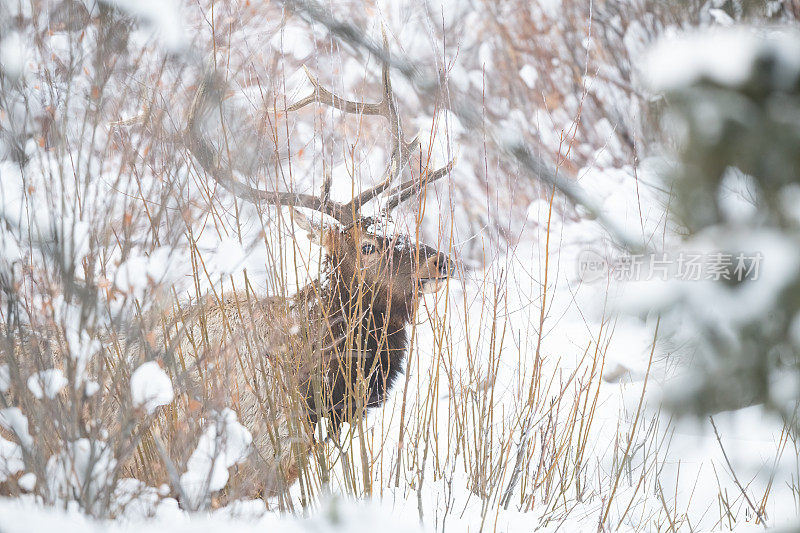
(368, 248)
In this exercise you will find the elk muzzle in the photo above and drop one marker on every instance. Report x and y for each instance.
(435, 268)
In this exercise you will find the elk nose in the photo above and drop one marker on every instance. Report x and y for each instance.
(443, 265)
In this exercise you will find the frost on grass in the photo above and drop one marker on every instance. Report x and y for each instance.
(151, 387)
(224, 443)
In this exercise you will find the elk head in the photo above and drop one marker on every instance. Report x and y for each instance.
(364, 250)
(385, 263)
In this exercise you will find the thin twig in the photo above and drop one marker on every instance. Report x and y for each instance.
(733, 473)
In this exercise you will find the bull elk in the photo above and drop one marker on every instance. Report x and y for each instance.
(335, 348)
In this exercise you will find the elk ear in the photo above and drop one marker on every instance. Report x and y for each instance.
(315, 230)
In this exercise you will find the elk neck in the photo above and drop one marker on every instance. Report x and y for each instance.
(374, 324)
(368, 311)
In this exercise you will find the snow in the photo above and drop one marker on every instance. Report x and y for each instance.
(81, 348)
(91, 388)
(150, 387)
(10, 459)
(12, 55)
(529, 75)
(738, 197)
(86, 466)
(551, 8)
(132, 275)
(135, 499)
(382, 226)
(163, 15)
(736, 306)
(295, 41)
(486, 55)
(77, 239)
(334, 516)
(13, 420)
(224, 443)
(141, 272)
(721, 18)
(636, 40)
(27, 481)
(228, 257)
(13, 206)
(47, 383)
(724, 56)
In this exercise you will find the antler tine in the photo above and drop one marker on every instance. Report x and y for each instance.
(209, 160)
(400, 150)
(388, 98)
(393, 170)
(404, 191)
(326, 97)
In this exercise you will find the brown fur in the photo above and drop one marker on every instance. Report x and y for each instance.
(333, 350)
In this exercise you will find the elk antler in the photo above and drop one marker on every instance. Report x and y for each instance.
(345, 213)
(404, 191)
(209, 159)
(401, 149)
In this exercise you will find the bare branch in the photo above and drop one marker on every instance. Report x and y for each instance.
(313, 12)
(172, 472)
(736, 479)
